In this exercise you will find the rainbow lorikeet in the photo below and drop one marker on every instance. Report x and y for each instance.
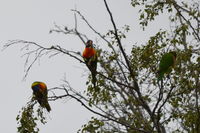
(90, 58)
(40, 92)
(167, 62)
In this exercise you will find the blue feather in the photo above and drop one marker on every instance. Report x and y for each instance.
(36, 88)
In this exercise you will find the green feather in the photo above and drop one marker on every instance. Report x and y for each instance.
(166, 64)
(92, 65)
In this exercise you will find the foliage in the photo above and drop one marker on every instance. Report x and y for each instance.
(92, 126)
(27, 119)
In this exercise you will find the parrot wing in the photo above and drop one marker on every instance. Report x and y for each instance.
(44, 99)
(41, 96)
(166, 64)
(92, 66)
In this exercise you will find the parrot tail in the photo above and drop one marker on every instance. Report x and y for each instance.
(47, 106)
(94, 79)
(92, 65)
(160, 79)
(160, 75)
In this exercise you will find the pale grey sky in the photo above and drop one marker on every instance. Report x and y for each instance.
(31, 20)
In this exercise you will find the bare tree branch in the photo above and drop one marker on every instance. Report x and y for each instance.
(53, 98)
(39, 51)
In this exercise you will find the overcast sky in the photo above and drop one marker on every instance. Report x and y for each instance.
(31, 20)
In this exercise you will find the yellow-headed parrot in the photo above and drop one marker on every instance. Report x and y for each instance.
(167, 62)
(90, 58)
(40, 92)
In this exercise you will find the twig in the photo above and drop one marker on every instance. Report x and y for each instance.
(40, 51)
(88, 108)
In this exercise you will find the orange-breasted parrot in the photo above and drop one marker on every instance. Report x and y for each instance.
(167, 62)
(40, 92)
(90, 58)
